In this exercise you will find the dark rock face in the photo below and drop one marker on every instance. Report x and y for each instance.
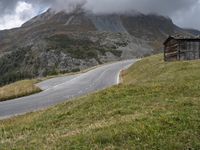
(54, 43)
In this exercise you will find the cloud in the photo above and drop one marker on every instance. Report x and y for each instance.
(183, 12)
(164, 7)
(188, 19)
(22, 12)
(67, 5)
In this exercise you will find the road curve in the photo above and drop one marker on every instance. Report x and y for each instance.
(61, 89)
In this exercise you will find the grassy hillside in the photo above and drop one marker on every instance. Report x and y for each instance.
(157, 107)
(18, 89)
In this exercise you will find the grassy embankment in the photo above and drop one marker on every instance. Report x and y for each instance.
(157, 107)
(18, 89)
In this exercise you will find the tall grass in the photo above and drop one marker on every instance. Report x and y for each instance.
(157, 107)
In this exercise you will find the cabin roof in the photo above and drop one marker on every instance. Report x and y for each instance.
(182, 38)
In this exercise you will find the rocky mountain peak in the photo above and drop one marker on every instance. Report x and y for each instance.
(82, 20)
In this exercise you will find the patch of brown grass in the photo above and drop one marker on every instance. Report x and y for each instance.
(18, 89)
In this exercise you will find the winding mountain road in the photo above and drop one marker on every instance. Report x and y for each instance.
(58, 90)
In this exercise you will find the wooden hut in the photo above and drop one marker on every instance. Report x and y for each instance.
(181, 48)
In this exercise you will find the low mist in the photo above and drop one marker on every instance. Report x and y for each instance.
(181, 11)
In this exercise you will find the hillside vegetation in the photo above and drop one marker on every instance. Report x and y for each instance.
(157, 107)
(18, 89)
(53, 43)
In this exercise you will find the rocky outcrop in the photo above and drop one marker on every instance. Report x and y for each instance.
(61, 42)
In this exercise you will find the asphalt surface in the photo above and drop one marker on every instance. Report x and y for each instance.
(61, 89)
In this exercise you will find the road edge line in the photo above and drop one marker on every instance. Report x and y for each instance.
(118, 76)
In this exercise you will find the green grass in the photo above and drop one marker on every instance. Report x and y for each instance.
(157, 107)
(18, 89)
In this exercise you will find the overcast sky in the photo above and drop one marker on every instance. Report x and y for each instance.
(184, 13)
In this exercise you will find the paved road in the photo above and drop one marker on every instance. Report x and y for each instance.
(60, 89)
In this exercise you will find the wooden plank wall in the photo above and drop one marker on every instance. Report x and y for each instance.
(182, 50)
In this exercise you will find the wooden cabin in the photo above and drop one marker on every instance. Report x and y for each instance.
(181, 48)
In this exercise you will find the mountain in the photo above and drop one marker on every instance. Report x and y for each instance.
(62, 42)
(193, 31)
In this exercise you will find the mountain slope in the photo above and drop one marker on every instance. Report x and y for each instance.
(63, 42)
(193, 31)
